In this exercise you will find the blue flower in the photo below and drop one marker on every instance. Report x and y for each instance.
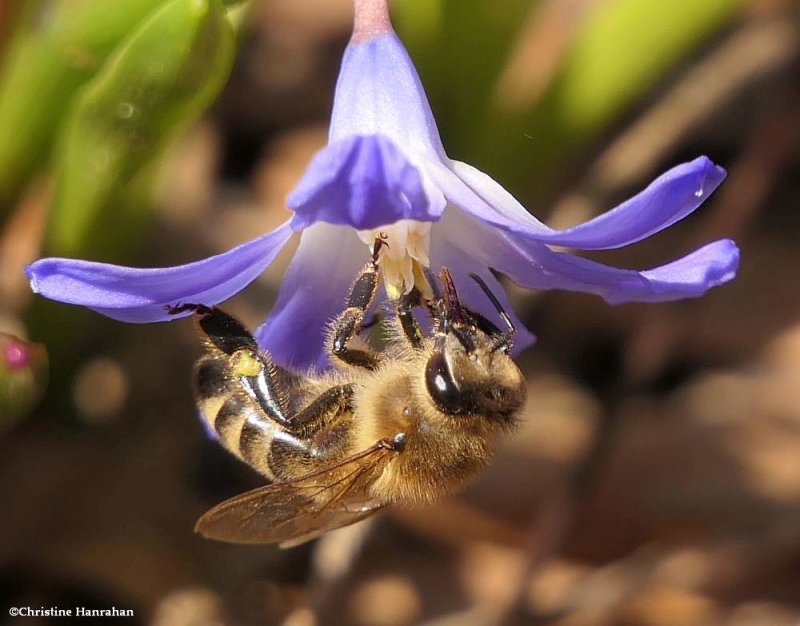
(384, 171)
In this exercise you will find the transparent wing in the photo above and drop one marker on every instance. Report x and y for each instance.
(294, 511)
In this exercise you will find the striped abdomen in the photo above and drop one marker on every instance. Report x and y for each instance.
(240, 423)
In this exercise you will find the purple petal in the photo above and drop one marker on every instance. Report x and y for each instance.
(712, 265)
(532, 264)
(379, 93)
(668, 199)
(138, 295)
(364, 182)
(313, 292)
(446, 252)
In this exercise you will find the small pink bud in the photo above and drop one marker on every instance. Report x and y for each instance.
(16, 354)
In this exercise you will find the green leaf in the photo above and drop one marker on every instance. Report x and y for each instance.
(619, 53)
(56, 48)
(159, 80)
(459, 48)
(619, 50)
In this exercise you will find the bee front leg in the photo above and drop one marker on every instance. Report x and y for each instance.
(405, 315)
(351, 321)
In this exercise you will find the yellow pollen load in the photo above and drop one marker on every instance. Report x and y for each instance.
(245, 364)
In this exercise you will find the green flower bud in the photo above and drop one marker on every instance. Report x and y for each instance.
(23, 377)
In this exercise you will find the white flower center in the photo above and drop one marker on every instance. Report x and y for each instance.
(404, 256)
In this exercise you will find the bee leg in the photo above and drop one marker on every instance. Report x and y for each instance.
(351, 321)
(224, 331)
(484, 323)
(323, 411)
(405, 316)
(245, 361)
(312, 435)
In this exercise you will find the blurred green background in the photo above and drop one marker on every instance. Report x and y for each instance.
(656, 479)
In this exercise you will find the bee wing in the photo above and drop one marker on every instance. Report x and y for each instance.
(294, 511)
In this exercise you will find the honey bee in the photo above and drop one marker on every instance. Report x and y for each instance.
(405, 425)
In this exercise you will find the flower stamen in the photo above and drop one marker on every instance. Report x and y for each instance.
(403, 257)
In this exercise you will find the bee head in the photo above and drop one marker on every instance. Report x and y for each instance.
(469, 371)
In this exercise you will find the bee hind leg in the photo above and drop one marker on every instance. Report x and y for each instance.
(245, 361)
(225, 332)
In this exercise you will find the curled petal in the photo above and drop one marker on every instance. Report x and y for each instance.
(313, 292)
(532, 264)
(139, 295)
(668, 199)
(712, 265)
(364, 182)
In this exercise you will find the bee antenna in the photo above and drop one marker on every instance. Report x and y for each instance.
(495, 302)
(433, 281)
(453, 314)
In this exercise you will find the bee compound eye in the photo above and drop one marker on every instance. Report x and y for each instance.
(442, 387)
